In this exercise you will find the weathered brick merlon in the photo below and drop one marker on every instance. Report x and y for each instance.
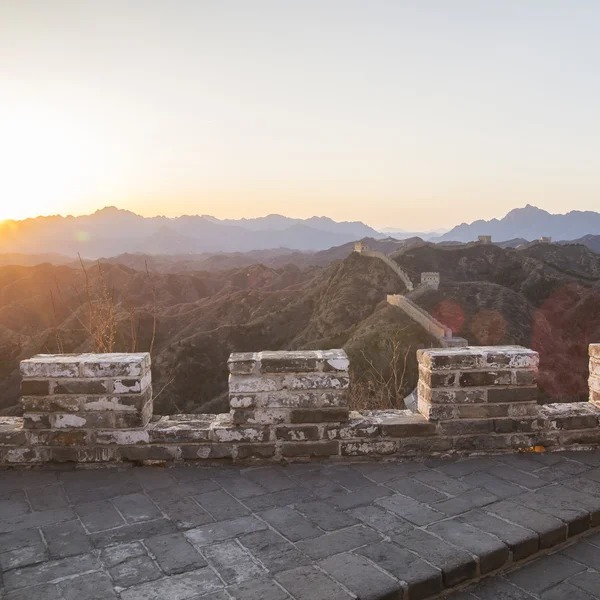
(290, 399)
(482, 379)
(273, 383)
(478, 357)
(89, 420)
(305, 361)
(274, 416)
(85, 386)
(440, 412)
(594, 379)
(88, 365)
(87, 403)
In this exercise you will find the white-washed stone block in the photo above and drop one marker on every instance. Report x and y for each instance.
(240, 384)
(133, 364)
(133, 385)
(122, 437)
(288, 361)
(68, 421)
(51, 365)
(478, 357)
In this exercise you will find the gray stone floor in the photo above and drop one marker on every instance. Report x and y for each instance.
(571, 574)
(320, 531)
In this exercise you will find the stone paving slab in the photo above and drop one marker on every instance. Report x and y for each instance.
(572, 573)
(320, 531)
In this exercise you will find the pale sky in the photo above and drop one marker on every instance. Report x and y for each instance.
(413, 114)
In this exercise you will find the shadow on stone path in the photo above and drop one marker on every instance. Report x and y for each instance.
(319, 531)
(570, 574)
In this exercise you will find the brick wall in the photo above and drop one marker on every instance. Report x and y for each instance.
(86, 391)
(288, 406)
(289, 387)
(479, 391)
(430, 279)
(594, 380)
(416, 313)
(392, 265)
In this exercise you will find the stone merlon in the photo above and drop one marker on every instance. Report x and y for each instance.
(287, 406)
(305, 361)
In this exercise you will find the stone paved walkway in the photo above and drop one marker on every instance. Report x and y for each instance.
(571, 574)
(316, 531)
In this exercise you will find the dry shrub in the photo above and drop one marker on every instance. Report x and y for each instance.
(382, 382)
(99, 315)
(102, 327)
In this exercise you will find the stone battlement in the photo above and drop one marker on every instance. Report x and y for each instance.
(438, 330)
(289, 387)
(430, 279)
(292, 406)
(594, 379)
(86, 391)
(391, 264)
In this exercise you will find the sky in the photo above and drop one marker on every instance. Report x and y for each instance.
(412, 114)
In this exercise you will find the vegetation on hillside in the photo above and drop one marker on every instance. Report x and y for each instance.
(546, 298)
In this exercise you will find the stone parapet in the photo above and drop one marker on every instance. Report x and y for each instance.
(430, 279)
(423, 318)
(390, 434)
(479, 389)
(267, 388)
(86, 391)
(474, 400)
(594, 380)
(392, 265)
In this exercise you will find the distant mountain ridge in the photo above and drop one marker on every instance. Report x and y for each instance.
(111, 231)
(529, 223)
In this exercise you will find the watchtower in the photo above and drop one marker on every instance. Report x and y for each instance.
(430, 279)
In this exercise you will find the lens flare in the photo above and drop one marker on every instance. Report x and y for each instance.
(82, 236)
(450, 314)
(488, 327)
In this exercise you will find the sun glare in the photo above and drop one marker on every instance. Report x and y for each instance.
(48, 161)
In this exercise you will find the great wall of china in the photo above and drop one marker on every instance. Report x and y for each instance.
(429, 280)
(294, 405)
(291, 406)
(93, 410)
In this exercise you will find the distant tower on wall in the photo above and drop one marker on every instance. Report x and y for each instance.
(430, 279)
(484, 239)
(545, 240)
(359, 247)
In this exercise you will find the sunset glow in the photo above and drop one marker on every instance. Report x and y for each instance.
(407, 114)
(49, 161)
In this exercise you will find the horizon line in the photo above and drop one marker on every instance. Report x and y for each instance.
(208, 216)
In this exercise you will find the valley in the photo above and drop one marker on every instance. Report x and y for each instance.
(546, 297)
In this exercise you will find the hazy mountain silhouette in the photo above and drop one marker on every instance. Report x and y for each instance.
(591, 241)
(111, 231)
(529, 223)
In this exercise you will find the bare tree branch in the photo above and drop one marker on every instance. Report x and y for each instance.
(153, 307)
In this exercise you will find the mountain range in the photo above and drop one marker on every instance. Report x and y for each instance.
(111, 232)
(529, 223)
